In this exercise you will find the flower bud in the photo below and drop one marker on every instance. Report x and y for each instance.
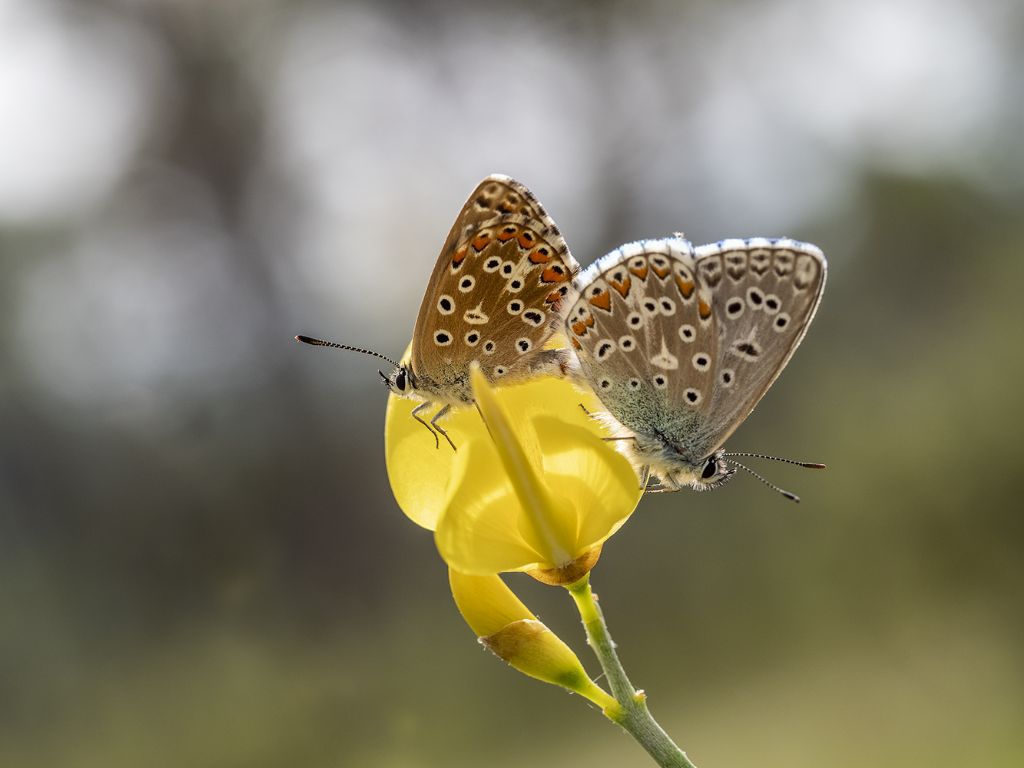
(506, 627)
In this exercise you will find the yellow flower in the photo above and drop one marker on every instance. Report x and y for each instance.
(507, 628)
(532, 487)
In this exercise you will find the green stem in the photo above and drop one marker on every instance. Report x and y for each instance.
(634, 717)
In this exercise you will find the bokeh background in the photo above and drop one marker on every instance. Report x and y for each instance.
(201, 562)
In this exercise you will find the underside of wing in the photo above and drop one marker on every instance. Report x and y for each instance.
(643, 330)
(764, 296)
(495, 290)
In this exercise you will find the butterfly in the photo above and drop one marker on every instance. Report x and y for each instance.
(680, 344)
(492, 298)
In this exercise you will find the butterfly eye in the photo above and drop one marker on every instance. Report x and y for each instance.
(709, 469)
(400, 380)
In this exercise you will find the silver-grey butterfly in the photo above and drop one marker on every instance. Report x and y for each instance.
(493, 297)
(680, 344)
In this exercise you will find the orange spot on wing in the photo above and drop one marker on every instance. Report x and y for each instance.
(580, 326)
(703, 309)
(554, 275)
(540, 256)
(661, 271)
(507, 234)
(623, 287)
(459, 257)
(526, 239)
(480, 242)
(640, 272)
(553, 298)
(685, 287)
(576, 344)
(602, 300)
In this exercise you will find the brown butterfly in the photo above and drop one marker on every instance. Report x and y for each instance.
(492, 298)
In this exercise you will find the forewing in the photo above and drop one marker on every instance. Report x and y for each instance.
(764, 296)
(644, 331)
(495, 289)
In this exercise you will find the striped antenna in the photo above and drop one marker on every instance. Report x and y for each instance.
(334, 345)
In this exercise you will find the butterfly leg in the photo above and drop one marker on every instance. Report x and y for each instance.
(433, 422)
(645, 476)
(415, 414)
(659, 485)
(659, 488)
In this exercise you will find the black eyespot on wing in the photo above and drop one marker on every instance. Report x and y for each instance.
(748, 348)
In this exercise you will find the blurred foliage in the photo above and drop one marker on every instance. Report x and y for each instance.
(201, 560)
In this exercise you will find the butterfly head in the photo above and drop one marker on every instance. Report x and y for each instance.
(401, 380)
(713, 472)
(675, 471)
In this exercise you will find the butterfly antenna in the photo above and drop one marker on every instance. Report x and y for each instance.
(322, 343)
(806, 464)
(787, 494)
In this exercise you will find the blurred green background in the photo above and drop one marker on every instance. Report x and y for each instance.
(200, 560)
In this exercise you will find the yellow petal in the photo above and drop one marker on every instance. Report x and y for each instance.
(587, 489)
(584, 468)
(479, 532)
(485, 602)
(419, 472)
(545, 522)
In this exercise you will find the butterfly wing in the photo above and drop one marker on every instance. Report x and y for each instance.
(643, 329)
(764, 296)
(495, 289)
